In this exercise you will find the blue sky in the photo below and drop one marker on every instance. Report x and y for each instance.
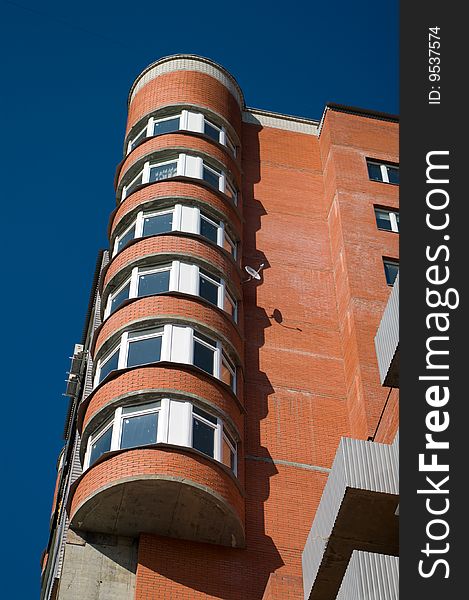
(67, 69)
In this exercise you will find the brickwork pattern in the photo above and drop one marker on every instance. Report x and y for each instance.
(185, 87)
(177, 189)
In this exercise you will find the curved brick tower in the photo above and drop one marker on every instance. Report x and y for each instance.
(207, 406)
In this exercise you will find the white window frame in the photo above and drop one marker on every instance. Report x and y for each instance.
(185, 118)
(233, 446)
(134, 279)
(225, 360)
(177, 211)
(162, 407)
(95, 437)
(384, 170)
(187, 165)
(180, 280)
(123, 349)
(393, 216)
(139, 222)
(145, 173)
(116, 424)
(171, 350)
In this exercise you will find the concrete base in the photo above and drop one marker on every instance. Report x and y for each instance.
(98, 567)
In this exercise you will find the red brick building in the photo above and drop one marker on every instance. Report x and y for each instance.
(207, 403)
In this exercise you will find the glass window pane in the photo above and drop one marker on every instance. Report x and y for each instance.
(226, 374)
(228, 457)
(159, 172)
(142, 352)
(203, 357)
(139, 430)
(391, 270)
(125, 239)
(208, 290)
(208, 230)
(212, 131)
(138, 138)
(127, 410)
(211, 178)
(229, 245)
(101, 445)
(393, 174)
(110, 364)
(137, 181)
(229, 305)
(153, 283)
(383, 220)
(157, 224)
(166, 126)
(203, 437)
(374, 172)
(120, 297)
(207, 416)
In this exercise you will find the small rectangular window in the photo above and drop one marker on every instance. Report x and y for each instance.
(203, 431)
(156, 224)
(387, 219)
(382, 171)
(100, 444)
(229, 245)
(118, 297)
(212, 131)
(139, 430)
(166, 125)
(159, 172)
(208, 228)
(144, 347)
(391, 269)
(229, 451)
(138, 138)
(211, 177)
(133, 184)
(109, 364)
(153, 283)
(227, 371)
(125, 238)
(204, 354)
(208, 287)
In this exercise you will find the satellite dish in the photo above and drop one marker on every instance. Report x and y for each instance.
(253, 274)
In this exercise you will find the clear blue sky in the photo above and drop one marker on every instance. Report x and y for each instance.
(67, 68)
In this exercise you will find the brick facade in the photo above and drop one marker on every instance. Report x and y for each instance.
(303, 345)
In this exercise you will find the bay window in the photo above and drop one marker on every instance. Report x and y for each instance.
(175, 343)
(184, 120)
(163, 420)
(176, 276)
(185, 165)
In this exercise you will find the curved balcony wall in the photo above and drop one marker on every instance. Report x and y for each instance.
(172, 380)
(178, 119)
(153, 311)
(186, 80)
(188, 144)
(183, 263)
(163, 490)
(164, 196)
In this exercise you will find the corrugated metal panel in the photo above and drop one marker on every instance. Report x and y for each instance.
(358, 464)
(370, 576)
(387, 337)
